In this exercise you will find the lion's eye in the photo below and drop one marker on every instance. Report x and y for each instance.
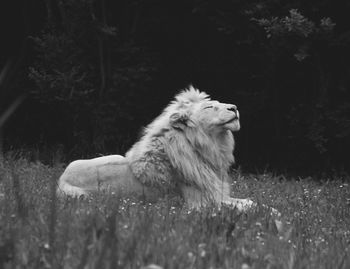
(208, 107)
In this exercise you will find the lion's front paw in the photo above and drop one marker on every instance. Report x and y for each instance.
(242, 205)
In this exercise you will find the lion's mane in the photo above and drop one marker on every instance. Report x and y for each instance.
(186, 159)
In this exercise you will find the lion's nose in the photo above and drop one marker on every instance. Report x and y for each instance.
(232, 108)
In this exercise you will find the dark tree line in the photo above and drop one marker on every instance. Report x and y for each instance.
(95, 71)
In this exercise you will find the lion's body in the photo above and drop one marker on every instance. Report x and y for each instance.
(112, 172)
(187, 150)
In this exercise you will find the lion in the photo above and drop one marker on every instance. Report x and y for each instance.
(186, 151)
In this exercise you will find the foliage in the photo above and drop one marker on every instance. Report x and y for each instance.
(58, 73)
(296, 25)
(299, 94)
(102, 69)
(39, 231)
(74, 70)
(307, 39)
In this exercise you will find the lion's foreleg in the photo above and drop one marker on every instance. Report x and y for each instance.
(240, 204)
(194, 198)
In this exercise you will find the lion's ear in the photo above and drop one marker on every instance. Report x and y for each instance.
(179, 120)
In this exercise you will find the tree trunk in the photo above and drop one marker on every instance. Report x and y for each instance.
(1, 147)
(50, 18)
(101, 51)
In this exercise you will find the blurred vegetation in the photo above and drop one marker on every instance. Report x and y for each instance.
(99, 70)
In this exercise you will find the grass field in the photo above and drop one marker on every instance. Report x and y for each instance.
(38, 231)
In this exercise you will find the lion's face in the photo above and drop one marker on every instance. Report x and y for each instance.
(195, 109)
(215, 116)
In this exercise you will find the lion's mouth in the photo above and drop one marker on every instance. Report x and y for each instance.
(231, 120)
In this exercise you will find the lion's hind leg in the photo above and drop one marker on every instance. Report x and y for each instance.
(82, 177)
(65, 188)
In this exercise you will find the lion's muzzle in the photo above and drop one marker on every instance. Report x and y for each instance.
(232, 108)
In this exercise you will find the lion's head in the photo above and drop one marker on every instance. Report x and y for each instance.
(211, 116)
(194, 109)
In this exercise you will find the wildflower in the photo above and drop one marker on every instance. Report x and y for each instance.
(191, 256)
(152, 266)
(201, 250)
(245, 266)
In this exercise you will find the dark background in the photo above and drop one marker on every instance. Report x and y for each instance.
(92, 73)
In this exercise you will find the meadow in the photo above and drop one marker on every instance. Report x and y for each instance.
(104, 231)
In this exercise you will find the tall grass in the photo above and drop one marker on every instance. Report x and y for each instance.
(105, 231)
